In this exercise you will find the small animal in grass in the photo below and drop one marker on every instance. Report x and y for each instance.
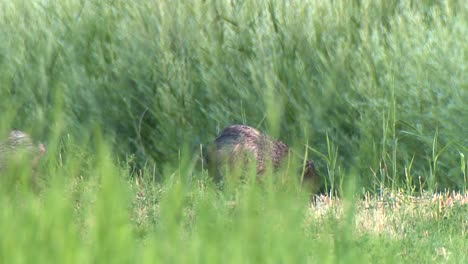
(238, 144)
(19, 147)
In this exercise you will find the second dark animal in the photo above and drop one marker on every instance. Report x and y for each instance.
(237, 145)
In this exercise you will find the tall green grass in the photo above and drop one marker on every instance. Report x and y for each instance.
(385, 80)
(124, 93)
(94, 213)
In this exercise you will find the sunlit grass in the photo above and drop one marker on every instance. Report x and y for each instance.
(124, 94)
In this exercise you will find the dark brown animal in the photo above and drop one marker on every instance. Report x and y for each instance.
(239, 144)
(17, 148)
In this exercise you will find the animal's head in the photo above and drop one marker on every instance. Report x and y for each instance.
(310, 173)
(310, 177)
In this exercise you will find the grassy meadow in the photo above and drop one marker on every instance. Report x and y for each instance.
(126, 94)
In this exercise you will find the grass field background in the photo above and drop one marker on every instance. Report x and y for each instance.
(125, 93)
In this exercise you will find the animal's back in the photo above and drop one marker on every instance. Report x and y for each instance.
(239, 144)
(18, 145)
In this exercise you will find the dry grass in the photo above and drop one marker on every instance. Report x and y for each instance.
(393, 213)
